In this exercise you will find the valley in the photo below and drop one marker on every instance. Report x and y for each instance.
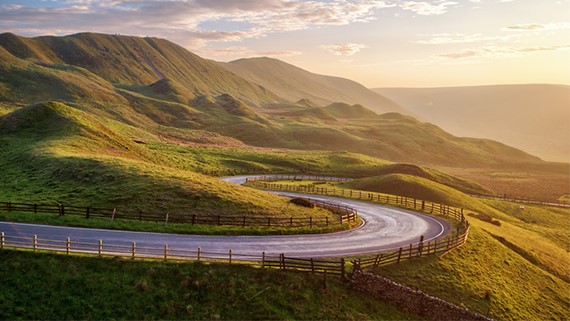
(140, 123)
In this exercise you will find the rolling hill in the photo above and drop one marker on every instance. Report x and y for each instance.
(294, 83)
(157, 86)
(534, 117)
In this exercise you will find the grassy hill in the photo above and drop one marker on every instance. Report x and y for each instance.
(533, 117)
(293, 84)
(158, 87)
(134, 61)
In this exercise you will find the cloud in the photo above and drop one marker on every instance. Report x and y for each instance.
(447, 38)
(233, 52)
(531, 26)
(185, 21)
(493, 52)
(538, 26)
(426, 8)
(344, 49)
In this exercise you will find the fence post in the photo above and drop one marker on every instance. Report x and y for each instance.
(243, 221)
(269, 222)
(230, 256)
(327, 220)
(35, 208)
(140, 215)
(399, 255)
(311, 222)
(342, 269)
(263, 259)
(282, 259)
(67, 245)
(100, 247)
(291, 221)
(410, 253)
(377, 260)
(2, 239)
(134, 250)
(113, 216)
(423, 205)
(218, 220)
(193, 219)
(35, 242)
(420, 245)
(166, 219)
(87, 212)
(199, 251)
(61, 210)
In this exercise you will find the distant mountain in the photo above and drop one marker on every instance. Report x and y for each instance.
(534, 117)
(294, 83)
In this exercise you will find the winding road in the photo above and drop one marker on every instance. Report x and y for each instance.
(384, 229)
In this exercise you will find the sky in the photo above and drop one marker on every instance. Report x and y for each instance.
(387, 43)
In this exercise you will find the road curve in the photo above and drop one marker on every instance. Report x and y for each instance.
(384, 229)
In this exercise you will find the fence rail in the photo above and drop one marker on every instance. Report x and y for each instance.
(412, 251)
(522, 200)
(390, 200)
(133, 251)
(282, 262)
(343, 214)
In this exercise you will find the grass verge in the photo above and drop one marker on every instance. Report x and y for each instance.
(113, 288)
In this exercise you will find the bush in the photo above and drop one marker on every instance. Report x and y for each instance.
(302, 202)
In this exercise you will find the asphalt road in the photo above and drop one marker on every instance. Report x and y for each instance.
(384, 229)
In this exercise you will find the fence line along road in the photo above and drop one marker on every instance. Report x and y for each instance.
(345, 214)
(412, 251)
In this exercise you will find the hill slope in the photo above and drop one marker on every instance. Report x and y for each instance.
(157, 87)
(293, 83)
(135, 61)
(535, 118)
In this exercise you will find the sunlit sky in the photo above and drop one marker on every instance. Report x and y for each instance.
(378, 43)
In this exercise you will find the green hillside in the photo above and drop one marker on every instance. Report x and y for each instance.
(135, 61)
(96, 289)
(155, 85)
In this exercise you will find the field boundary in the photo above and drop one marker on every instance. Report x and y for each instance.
(414, 250)
(334, 266)
(344, 214)
(521, 200)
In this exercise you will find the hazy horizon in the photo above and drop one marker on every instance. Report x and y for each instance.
(377, 43)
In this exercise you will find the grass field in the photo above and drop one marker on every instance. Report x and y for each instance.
(95, 289)
(503, 267)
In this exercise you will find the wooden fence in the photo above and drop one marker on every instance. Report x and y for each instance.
(522, 200)
(133, 251)
(390, 200)
(344, 214)
(414, 250)
(332, 266)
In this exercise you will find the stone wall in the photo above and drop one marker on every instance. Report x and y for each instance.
(413, 301)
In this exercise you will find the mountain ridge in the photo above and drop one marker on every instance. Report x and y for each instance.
(294, 84)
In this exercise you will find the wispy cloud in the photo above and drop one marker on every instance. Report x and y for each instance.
(447, 38)
(427, 8)
(539, 26)
(183, 21)
(243, 52)
(344, 49)
(492, 52)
